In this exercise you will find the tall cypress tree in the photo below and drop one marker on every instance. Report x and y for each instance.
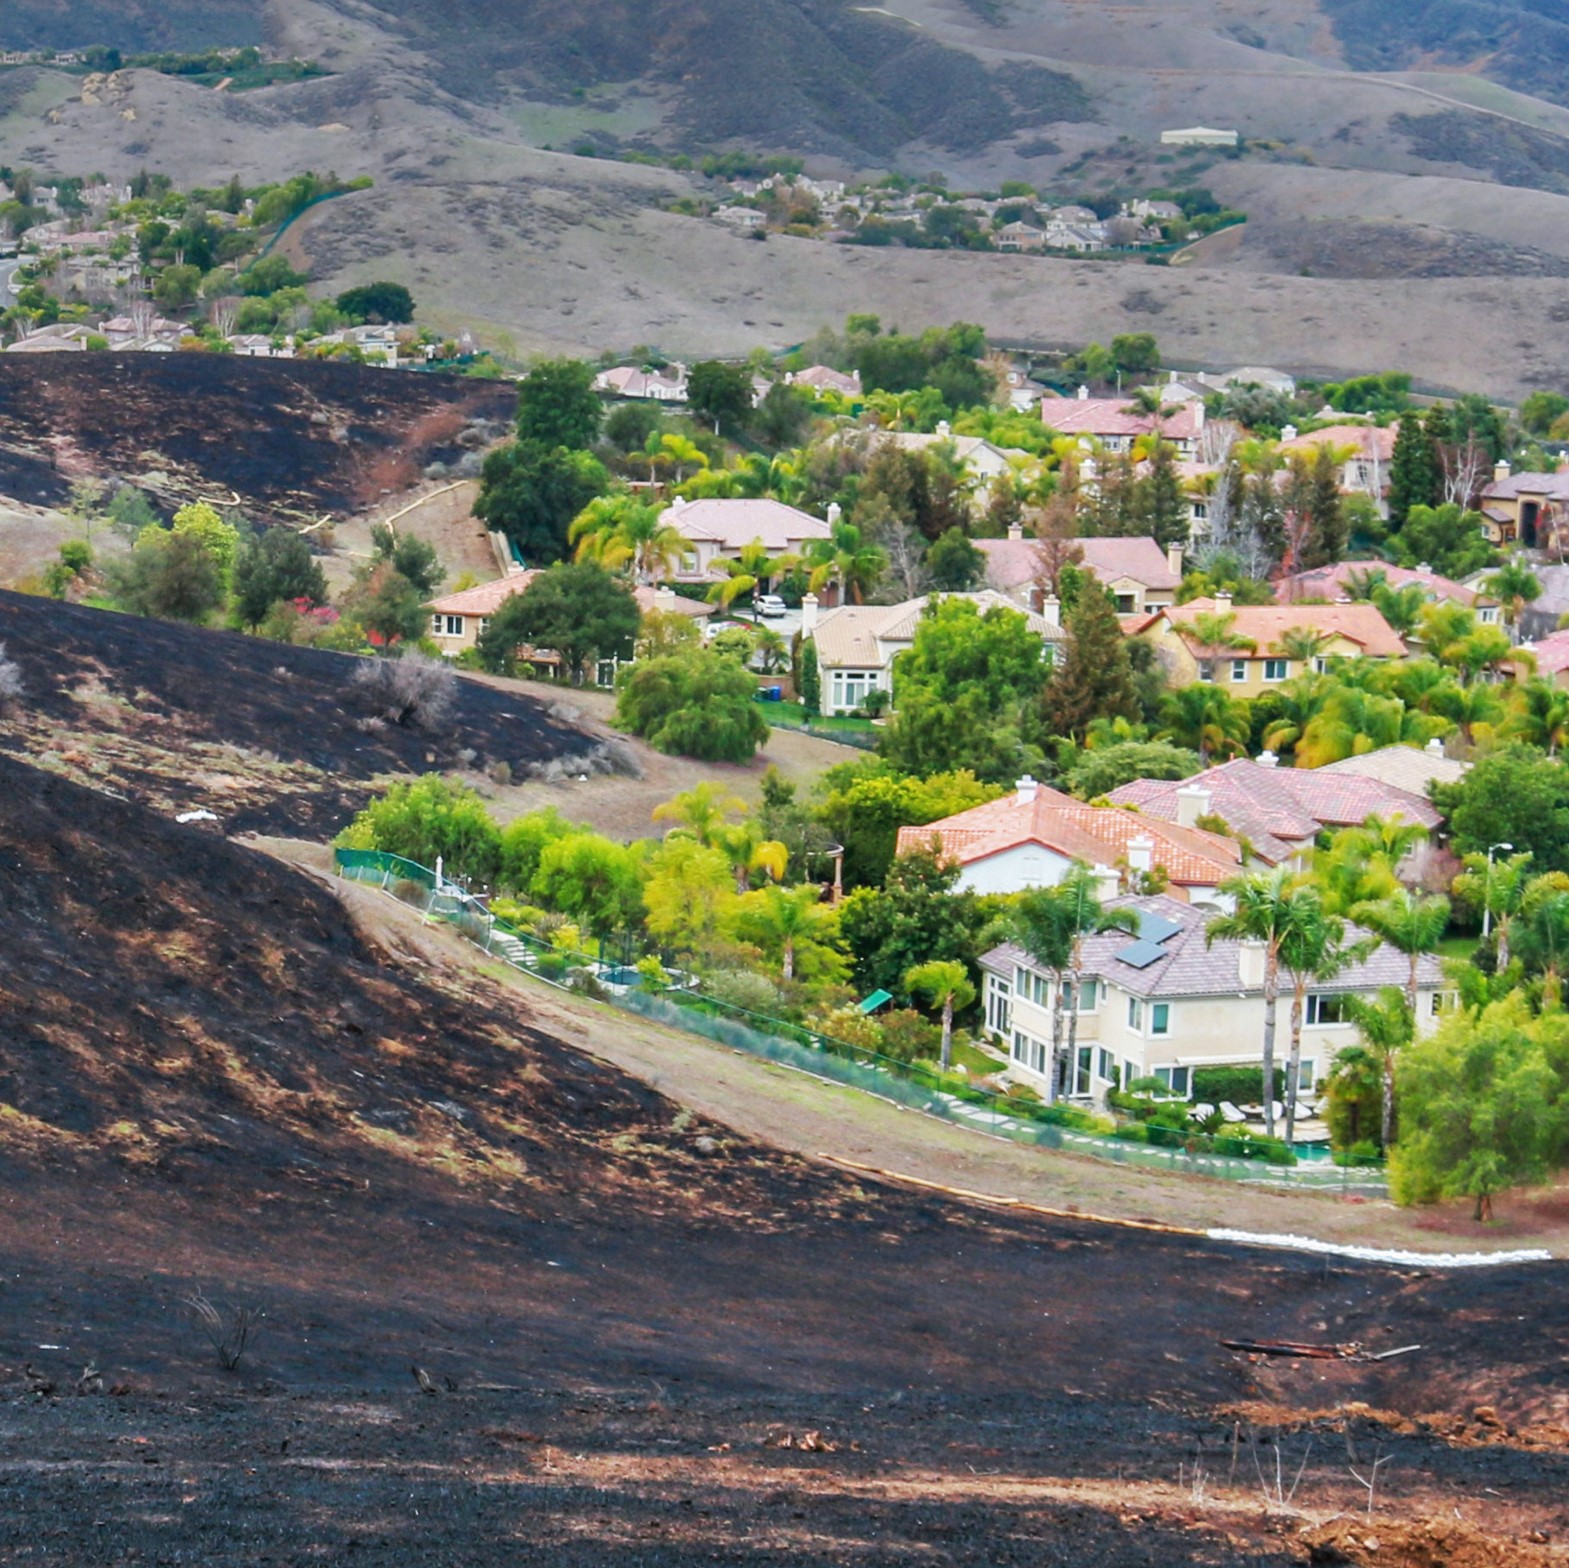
(1165, 507)
(1413, 470)
(1329, 533)
(1094, 677)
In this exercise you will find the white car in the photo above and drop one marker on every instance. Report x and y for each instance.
(770, 606)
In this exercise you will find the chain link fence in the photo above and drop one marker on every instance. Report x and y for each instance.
(910, 1084)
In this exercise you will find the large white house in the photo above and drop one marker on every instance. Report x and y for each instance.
(720, 529)
(1164, 1002)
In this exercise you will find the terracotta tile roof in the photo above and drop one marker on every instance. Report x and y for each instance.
(1326, 582)
(1264, 624)
(733, 524)
(1194, 967)
(487, 598)
(1111, 416)
(1099, 835)
(1279, 810)
(1552, 653)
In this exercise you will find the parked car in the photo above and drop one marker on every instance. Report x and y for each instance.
(770, 606)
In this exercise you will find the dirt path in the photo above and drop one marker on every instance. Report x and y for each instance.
(442, 514)
(808, 1116)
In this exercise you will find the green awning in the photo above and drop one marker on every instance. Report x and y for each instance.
(874, 1001)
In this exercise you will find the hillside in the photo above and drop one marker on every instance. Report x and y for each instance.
(267, 737)
(214, 1079)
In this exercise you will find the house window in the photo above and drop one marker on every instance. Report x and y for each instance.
(1127, 603)
(1081, 1070)
(1160, 1018)
(1305, 1077)
(1106, 1067)
(435, 625)
(1086, 996)
(1206, 669)
(454, 625)
(1135, 1013)
(1200, 511)
(1320, 665)
(1276, 669)
(1239, 669)
(851, 687)
(1174, 1079)
(999, 1007)
(484, 624)
(1326, 1009)
(1021, 1047)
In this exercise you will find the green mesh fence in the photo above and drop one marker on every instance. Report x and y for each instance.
(793, 1045)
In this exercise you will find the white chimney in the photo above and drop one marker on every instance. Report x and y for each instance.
(1192, 803)
(944, 430)
(1250, 965)
(1288, 432)
(1223, 599)
(1268, 759)
(1084, 394)
(1108, 883)
(1198, 415)
(1174, 554)
(1051, 610)
(1501, 470)
(678, 503)
(809, 615)
(1141, 853)
(1015, 531)
(1028, 789)
(1435, 748)
(665, 599)
(834, 511)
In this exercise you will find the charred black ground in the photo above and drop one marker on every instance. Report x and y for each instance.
(270, 737)
(209, 1079)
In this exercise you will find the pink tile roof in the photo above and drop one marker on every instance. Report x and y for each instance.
(733, 524)
(1366, 440)
(1011, 563)
(1097, 834)
(1327, 581)
(1552, 653)
(1265, 624)
(1113, 416)
(1278, 810)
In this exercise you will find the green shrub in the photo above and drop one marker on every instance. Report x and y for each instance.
(1363, 1152)
(908, 1034)
(1132, 1132)
(1241, 1084)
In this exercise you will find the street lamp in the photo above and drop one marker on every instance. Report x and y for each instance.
(1487, 892)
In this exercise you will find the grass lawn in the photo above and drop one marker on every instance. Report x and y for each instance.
(976, 1063)
(1457, 946)
(793, 716)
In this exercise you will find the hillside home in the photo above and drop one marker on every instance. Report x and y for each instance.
(1527, 509)
(1166, 1001)
(1332, 583)
(983, 461)
(1408, 768)
(1116, 424)
(823, 378)
(857, 643)
(1031, 837)
(1254, 658)
(1198, 136)
(1364, 452)
(1278, 811)
(1141, 575)
(1082, 237)
(1021, 236)
(458, 620)
(665, 385)
(716, 530)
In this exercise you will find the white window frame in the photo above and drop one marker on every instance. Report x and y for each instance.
(1313, 1011)
(454, 626)
(1283, 665)
(1135, 1015)
(1105, 1065)
(1176, 1080)
(1239, 671)
(1156, 1010)
(435, 625)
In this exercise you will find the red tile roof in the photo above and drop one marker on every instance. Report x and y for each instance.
(1265, 624)
(1113, 416)
(1326, 582)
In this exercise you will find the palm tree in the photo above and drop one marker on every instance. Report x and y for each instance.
(1468, 706)
(1313, 948)
(1296, 704)
(795, 926)
(1216, 632)
(700, 812)
(1515, 585)
(1362, 864)
(1266, 909)
(1204, 719)
(847, 560)
(1401, 607)
(1386, 1027)
(682, 453)
(1354, 721)
(1498, 888)
(1547, 940)
(945, 984)
(619, 531)
(1302, 643)
(1541, 715)
(750, 853)
(1412, 923)
(1146, 404)
(1363, 582)
(1050, 924)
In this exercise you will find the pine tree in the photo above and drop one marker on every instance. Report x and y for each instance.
(1164, 506)
(1413, 472)
(1094, 677)
(811, 680)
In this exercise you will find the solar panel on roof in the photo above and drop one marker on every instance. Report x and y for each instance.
(1156, 928)
(1141, 954)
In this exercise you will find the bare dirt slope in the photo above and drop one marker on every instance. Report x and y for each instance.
(211, 1079)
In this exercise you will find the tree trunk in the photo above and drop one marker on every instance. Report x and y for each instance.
(1387, 1121)
(789, 958)
(1071, 1059)
(1271, 994)
(947, 1032)
(1484, 1207)
(1054, 1067)
(1503, 943)
(1411, 992)
(1294, 1060)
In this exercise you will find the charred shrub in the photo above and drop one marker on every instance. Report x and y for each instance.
(413, 692)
